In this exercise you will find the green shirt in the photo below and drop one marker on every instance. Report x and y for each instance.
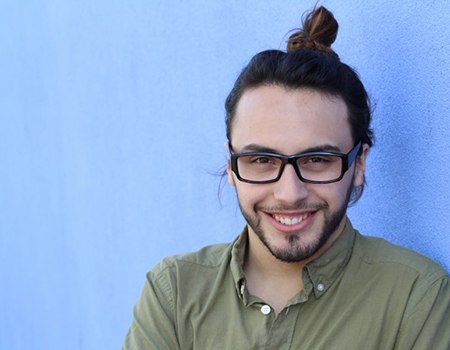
(362, 293)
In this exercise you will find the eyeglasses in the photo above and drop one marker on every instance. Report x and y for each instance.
(311, 167)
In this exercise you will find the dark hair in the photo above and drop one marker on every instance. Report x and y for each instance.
(309, 63)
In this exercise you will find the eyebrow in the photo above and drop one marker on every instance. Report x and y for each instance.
(253, 147)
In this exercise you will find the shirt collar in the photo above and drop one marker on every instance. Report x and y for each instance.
(318, 275)
(323, 271)
(239, 247)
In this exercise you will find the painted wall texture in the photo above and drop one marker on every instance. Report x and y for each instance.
(112, 128)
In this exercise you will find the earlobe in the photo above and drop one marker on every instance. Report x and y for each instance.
(230, 177)
(360, 166)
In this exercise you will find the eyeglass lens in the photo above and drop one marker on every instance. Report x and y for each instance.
(312, 167)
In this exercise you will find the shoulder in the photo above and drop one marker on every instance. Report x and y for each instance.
(189, 277)
(379, 252)
(410, 291)
(207, 258)
(401, 274)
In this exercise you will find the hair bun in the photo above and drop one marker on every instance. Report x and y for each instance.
(319, 32)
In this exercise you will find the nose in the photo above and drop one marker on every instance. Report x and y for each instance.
(289, 188)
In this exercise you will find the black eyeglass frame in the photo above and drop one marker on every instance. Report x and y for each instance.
(347, 161)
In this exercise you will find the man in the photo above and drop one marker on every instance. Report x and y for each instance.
(299, 276)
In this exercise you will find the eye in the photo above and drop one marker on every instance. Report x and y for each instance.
(262, 160)
(259, 160)
(317, 160)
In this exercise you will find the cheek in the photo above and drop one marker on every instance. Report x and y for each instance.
(335, 193)
(249, 195)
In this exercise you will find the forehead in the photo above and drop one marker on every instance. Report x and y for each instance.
(290, 121)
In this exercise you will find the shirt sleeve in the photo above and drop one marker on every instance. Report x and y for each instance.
(427, 326)
(153, 325)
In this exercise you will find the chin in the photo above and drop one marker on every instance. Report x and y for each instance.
(297, 247)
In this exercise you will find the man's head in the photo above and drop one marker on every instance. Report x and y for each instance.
(309, 63)
(304, 100)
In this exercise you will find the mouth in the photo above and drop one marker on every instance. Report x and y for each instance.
(290, 220)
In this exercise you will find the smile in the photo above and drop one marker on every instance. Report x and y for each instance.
(291, 220)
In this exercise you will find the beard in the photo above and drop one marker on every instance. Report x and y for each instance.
(297, 249)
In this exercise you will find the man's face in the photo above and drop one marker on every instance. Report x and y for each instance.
(293, 219)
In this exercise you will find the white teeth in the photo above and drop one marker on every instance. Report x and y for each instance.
(290, 221)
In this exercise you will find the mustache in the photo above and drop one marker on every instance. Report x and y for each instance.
(300, 205)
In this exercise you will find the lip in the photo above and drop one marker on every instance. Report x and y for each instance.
(289, 229)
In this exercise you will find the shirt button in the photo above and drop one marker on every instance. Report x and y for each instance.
(320, 287)
(265, 309)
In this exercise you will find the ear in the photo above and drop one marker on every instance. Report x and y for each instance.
(360, 166)
(230, 176)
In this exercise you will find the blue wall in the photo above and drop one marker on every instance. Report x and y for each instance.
(112, 126)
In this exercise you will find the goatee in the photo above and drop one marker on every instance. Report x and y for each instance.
(297, 249)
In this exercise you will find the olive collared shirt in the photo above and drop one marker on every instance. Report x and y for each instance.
(362, 293)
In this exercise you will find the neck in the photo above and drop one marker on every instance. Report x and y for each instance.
(259, 256)
(273, 280)
(260, 259)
